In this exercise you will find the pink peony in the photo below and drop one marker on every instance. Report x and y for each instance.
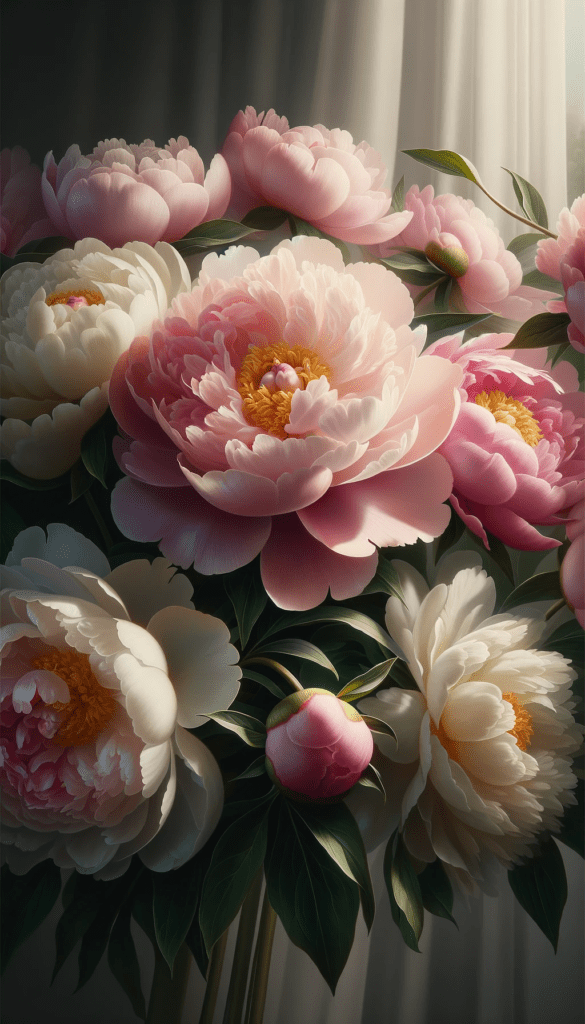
(573, 567)
(282, 408)
(573, 278)
(551, 250)
(124, 193)
(24, 218)
(462, 241)
(316, 173)
(317, 745)
(516, 450)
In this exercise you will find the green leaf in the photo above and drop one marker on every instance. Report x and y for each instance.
(11, 524)
(442, 293)
(372, 779)
(81, 481)
(497, 550)
(245, 591)
(95, 449)
(235, 862)
(404, 891)
(450, 536)
(336, 829)
(436, 891)
(439, 325)
(174, 901)
(254, 770)
(316, 902)
(41, 248)
(356, 620)
(378, 725)
(123, 961)
(386, 580)
(258, 677)
(26, 902)
(535, 279)
(529, 199)
(524, 249)
(542, 330)
(95, 941)
(544, 586)
(302, 227)
(83, 898)
(412, 268)
(447, 161)
(265, 218)
(251, 730)
(211, 234)
(366, 682)
(540, 886)
(299, 649)
(12, 476)
(572, 831)
(398, 196)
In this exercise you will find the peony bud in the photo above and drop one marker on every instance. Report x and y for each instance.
(317, 746)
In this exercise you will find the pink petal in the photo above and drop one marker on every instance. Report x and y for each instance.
(117, 209)
(218, 185)
(293, 181)
(244, 494)
(384, 292)
(188, 205)
(381, 230)
(485, 282)
(511, 528)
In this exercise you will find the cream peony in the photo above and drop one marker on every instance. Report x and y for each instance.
(103, 674)
(66, 322)
(488, 735)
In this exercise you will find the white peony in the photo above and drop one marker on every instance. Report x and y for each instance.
(483, 748)
(65, 324)
(103, 674)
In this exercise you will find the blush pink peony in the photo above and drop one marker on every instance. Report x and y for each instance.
(281, 408)
(458, 237)
(573, 279)
(517, 450)
(573, 567)
(317, 173)
(24, 218)
(550, 251)
(124, 193)
(317, 746)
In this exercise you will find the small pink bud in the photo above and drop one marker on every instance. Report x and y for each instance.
(317, 746)
(282, 377)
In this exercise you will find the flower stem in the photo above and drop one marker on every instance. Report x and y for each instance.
(213, 979)
(516, 216)
(99, 520)
(277, 668)
(429, 288)
(261, 964)
(242, 955)
(168, 993)
(554, 608)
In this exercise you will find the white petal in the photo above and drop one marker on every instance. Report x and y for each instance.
(146, 588)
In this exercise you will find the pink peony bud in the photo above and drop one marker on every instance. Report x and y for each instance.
(317, 746)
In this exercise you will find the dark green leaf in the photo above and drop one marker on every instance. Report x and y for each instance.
(540, 886)
(529, 199)
(11, 524)
(372, 779)
(254, 770)
(436, 891)
(442, 293)
(542, 330)
(386, 580)
(439, 325)
(299, 649)
(445, 160)
(401, 676)
(174, 902)
(573, 824)
(245, 591)
(251, 730)
(378, 725)
(336, 829)
(95, 940)
(83, 900)
(40, 249)
(265, 218)
(357, 620)
(81, 481)
(404, 891)
(412, 268)
(524, 249)
(11, 475)
(123, 961)
(211, 234)
(451, 535)
(398, 196)
(535, 279)
(258, 677)
(366, 682)
(499, 552)
(544, 586)
(302, 227)
(236, 859)
(26, 902)
(316, 902)
(95, 448)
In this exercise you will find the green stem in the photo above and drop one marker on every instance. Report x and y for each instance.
(243, 952)
(213, 979)
(554, 608)
(277, 668)
(261, 965)
(516, 216)
(167, 994)
(428, 289)
(99, 520)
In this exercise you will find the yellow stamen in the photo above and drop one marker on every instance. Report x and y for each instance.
(268, 409)
(91, 296)
(507, 410)
(90, 706)
(523, 727)
(451, 746)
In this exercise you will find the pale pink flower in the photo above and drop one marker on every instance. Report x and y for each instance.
(124, 193)
(24, 218)
(281, 408)
(550, 251)
(457, 236)
(573, 567)
(516, 450)
(487, 737)
(573, 279)
(315, 173)
(317, 745)
(103, 674)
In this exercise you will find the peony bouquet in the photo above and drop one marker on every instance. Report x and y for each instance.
(293, 551)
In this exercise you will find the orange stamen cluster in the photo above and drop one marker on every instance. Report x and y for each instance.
(507, 410)
(93, 297)
(90, 706)
(270, 410)
(523, 727)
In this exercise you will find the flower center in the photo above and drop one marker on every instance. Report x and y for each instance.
(268, 379)
(523, 727)
(90, 705)
(450, 258)
(507, 410)
(75, 299)
(451, 746)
